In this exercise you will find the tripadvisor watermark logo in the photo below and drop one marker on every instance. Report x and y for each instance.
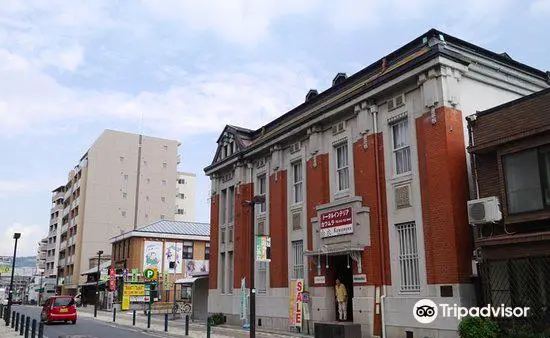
(426, 311)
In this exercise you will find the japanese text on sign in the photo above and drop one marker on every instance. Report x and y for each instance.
(337, 222)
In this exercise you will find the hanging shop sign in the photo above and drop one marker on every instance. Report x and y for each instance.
(336, 223)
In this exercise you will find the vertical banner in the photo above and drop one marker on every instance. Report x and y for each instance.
(298, 315)
(152, 255)
(291, 290)
(244, 315)
(112, 279)
(263, 248)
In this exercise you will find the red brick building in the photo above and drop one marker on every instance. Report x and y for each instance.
(382, 154)
(510, 145)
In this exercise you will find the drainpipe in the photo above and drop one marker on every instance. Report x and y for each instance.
(374, 110)
(470, 120)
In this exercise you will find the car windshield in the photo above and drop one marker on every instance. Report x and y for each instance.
(63, 302)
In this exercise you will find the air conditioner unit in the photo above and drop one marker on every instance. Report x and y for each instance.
(484, 210)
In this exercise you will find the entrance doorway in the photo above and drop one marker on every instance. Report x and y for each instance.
(339, 266)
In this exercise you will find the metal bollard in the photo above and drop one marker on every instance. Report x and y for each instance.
(208, 320)
(114, 314)
(17, 321)
(187, 325)
(22, 324)
(165, 322)
(41, 330)
(1, 310)
(33, 329)
(12, 319)
(134, 318)
(149, 319)
(27, 326)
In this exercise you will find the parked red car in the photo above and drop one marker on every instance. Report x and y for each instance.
(59, 309)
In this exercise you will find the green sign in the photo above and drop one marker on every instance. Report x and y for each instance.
(150, 274)
(39, 290)
(135, 273)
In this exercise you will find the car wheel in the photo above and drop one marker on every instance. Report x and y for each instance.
(74, 322)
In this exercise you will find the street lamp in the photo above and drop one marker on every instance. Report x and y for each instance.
(258, 199)
(16, 236)
(99, 253)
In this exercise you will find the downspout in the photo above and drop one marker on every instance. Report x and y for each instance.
(374, 110)
(470, 119)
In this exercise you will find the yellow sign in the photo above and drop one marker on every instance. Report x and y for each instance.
(133, 290)
(4, 269)
(125, 302)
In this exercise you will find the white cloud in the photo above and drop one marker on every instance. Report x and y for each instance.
(250, 95)
(27, 245)
(540, 8)
(68, 59)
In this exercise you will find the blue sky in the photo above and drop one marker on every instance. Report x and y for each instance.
(70, 69)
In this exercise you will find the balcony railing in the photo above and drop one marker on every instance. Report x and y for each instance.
(72, 241)
(61, 262)
(66, 211)
(70, 260)
(57, 196)
(64, 228)
(63, 245)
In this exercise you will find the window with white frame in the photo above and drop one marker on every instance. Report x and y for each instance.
(408, 257)
(262, 191)
(297, 182)
(187, 250)
(231, 266)
(231, 204)
(297, 259)
(342, 166)
(222, 265)
(262, 277)
(401, 146)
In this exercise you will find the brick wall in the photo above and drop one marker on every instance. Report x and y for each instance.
(242, 232)
(365, 186)
(317, 192)
(278, 229)
(444, 182)
(214, 235)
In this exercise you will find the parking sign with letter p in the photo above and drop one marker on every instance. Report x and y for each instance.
(150, 274)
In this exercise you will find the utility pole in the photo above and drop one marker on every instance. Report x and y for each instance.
(16, 236)
(99, 253)
(258, 199)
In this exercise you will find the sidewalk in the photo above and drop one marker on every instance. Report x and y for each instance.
(7, 331)
(177, 327)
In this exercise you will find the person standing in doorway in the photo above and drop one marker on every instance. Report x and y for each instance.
(342, 300)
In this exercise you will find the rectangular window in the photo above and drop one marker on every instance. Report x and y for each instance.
(297, 182)
(527, 177)
(262, 277)
(408, 257)
(207, 251)
(401, 146)
(231, 204)
(223, 209)
(231, 266)
(187, 250)
(222, 235)
(262, 191)
(342, 166)
(222, 265)
(298, 259)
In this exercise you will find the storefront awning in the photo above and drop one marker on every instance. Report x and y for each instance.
(93, 283)
(189, 280)
(334, 251)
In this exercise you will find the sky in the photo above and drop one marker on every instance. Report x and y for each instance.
(182, 69)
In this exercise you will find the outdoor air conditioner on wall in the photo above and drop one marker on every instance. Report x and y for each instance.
(484, 210)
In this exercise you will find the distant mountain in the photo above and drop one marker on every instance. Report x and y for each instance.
(25, 262)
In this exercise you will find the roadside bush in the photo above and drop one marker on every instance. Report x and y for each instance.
(478, 327)
(217, 319)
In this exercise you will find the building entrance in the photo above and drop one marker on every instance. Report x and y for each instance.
(339, 267)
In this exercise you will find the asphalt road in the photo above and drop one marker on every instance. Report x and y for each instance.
(83, 326)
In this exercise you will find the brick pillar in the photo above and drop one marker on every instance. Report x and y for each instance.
(278, 217)
(317, 192)
(444, 190)
(241, 253)
(214, 235)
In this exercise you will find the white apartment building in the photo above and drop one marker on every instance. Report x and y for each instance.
(54, 232)
(41, 255)
(122, 182)
(185, 197)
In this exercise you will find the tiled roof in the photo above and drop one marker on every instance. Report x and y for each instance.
(177, 228)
